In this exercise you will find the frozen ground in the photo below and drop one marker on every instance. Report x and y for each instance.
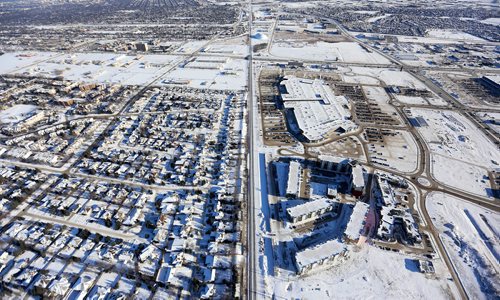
(461, 175)
(390, 77)
(451, 136)
(234, 46)
(16, 113)
(413, 39)
(452, 34)
(10, 62)
(131, 69)
(342, 51)
(189, 47)
(368, 274)
(421, 100)
(102, 67)
(471, 237)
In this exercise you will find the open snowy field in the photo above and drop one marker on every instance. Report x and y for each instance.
(366, 274)
(463, 175)
(16, 113)
(493, 21)
(390, 76)
(453, 35)
(451, 136)
(471, 237)
(343, 51)
(102, 67)
(10, 62)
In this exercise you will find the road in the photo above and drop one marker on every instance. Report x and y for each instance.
(90, 227)
(251, 243)
(424, 169)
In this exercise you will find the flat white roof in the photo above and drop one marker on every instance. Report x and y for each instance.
(355, 225)
(358, 179)
(317, 253)
(293, 178)
(317, 110)
(309, 207)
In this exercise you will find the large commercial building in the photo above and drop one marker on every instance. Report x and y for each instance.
(317, 110)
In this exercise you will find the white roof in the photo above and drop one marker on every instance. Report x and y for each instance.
(494, 78)
(317, 110)
(293, 178)
(322, 251)
(357, 176)
(355, 224)
(309, 207)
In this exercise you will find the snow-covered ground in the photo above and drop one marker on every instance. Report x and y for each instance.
(452, 34)
(10, 62)
(342, 51)
(491, 119)
(189, 47)
(231, 47)
(390, 76)
(129, 69)
(465, 175)
(411, 100)
(16, 113)
(471, 237)
(462, 154)
(367, 274)
(102, 67)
